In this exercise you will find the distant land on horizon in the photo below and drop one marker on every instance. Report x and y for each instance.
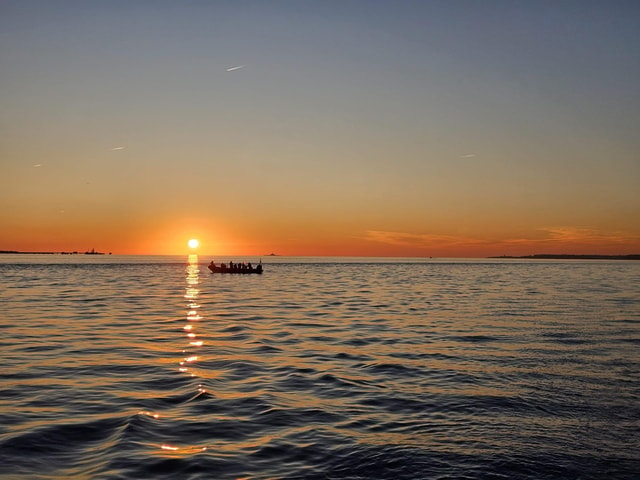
(563, 256)
(89, 252)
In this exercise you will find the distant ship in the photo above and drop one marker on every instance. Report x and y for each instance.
(93, 252)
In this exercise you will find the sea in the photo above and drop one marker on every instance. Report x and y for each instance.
(147, 367)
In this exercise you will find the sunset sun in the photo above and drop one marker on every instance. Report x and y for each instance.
(193, 243)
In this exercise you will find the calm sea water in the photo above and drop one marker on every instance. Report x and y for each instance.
(152, 368)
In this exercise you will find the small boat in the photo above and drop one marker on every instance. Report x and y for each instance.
(242, 269)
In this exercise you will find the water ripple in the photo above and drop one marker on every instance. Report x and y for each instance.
(327, 371)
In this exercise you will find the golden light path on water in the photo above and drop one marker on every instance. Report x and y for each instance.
(191, 295)
(192, 291)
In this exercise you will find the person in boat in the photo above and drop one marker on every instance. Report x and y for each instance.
(240, 267)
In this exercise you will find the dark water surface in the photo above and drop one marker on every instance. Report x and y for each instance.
(150, 367)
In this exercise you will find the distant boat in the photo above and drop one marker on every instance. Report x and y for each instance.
(93, 252)
(235, 269)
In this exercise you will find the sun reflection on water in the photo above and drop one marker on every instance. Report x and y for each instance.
(190, 356)
(191, 295)
(188, 450)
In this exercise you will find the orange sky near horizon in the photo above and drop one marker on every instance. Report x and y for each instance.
(436, 129)
(149, 239)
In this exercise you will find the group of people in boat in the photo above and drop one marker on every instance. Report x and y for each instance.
(235, 267)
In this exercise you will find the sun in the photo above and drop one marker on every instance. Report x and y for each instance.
(193, 243)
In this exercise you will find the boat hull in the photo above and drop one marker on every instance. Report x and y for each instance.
(240, 271)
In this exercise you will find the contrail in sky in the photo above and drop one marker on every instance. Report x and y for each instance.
(37, 165)
(469, 155)
(118, 148)
(231, 69)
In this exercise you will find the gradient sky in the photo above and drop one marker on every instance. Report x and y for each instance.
(400, 128)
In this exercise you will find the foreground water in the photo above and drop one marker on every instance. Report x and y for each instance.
(150, 367)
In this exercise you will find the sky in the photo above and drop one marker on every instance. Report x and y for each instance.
(451, 128)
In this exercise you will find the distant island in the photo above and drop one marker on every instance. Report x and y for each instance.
(551, 256)
(88, 252)
(93, 252)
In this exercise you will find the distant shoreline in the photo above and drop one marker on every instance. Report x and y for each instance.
(15, 252)
(539, 256)
(547, 256)
(29, 253)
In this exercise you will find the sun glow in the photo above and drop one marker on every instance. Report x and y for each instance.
(193, 243)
